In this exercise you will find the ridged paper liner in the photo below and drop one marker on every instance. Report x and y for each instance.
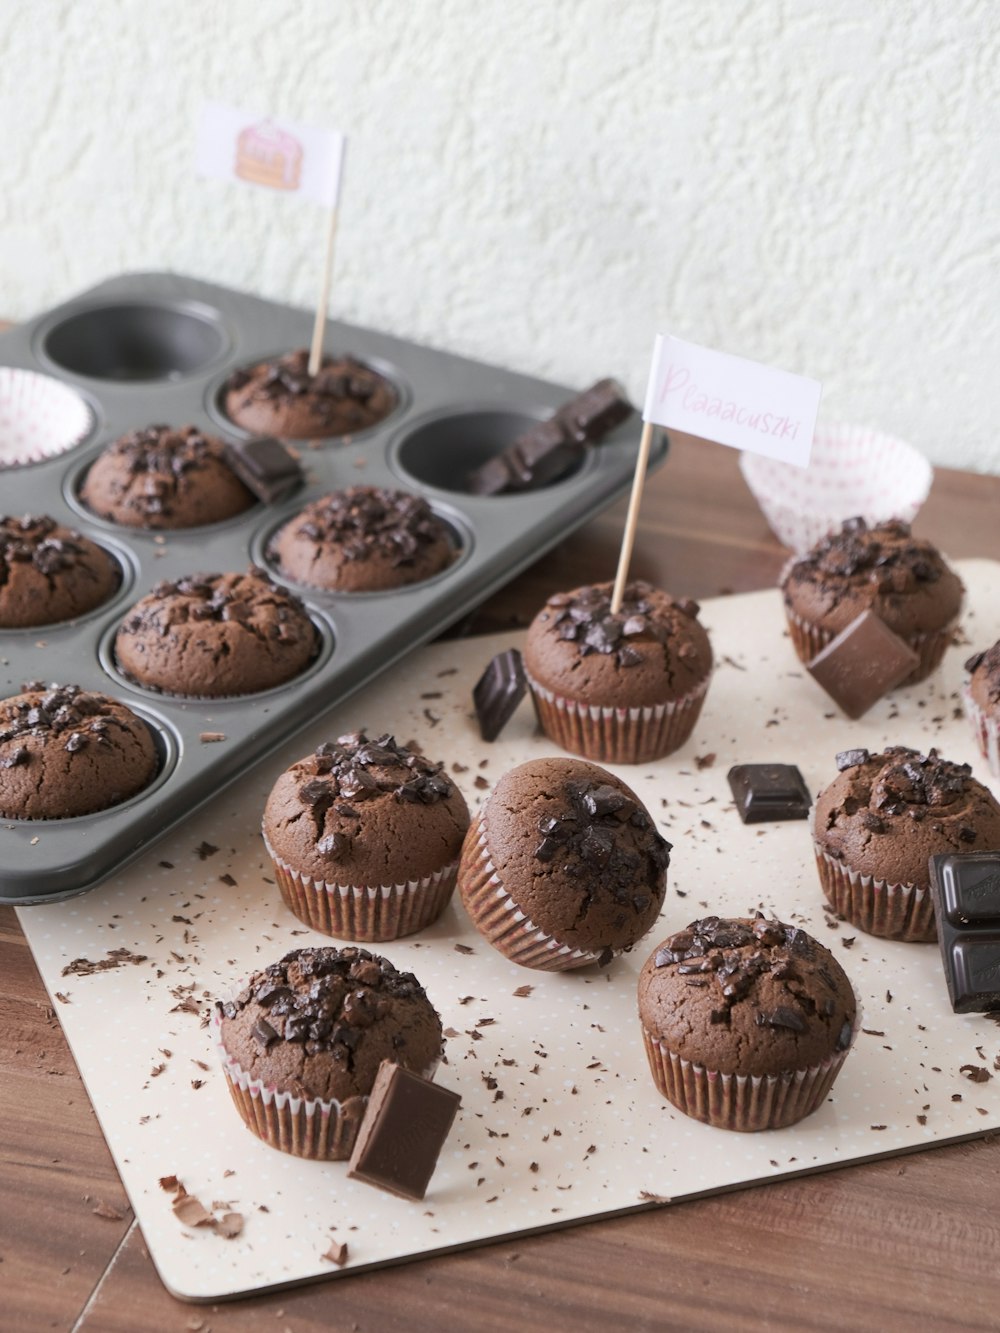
(930, 646)
(303, 1126)
(986, 730)
(499, 919)
(891, 911)
(617, 735)
(366, 913)
(39, 417)
(744, 1102)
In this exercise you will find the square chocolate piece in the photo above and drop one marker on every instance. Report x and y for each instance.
(965, 888)
(765, 792)
(265, 466)
(403, 1132)
(498, 691)
(864, 662)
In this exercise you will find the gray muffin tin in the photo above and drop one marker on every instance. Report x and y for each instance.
(149, 348)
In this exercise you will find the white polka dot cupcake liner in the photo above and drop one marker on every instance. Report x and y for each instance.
(890, 911)
(617, 735)
(39, 417)
(985, 729)
(743, 1102)
(930, 647)
(499, 919)
(371, 914)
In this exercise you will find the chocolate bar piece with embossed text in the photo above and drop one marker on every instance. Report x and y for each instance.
(965, 888)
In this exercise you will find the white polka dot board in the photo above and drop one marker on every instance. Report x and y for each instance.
(560, 1120)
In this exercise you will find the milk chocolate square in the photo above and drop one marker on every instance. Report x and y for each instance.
(863, 663)
(965, 888)
(769, 791)
(403, 1132)
(498, 691)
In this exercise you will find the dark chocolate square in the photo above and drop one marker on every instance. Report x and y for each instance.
(265, 466)
(498, 691)
(404, 1129)
(965, 890)
(863, 663)
(769, 791)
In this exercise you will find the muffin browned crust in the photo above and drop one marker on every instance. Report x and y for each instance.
(280, 397)
(216, 635)
(65, 751)
(162, 477)
(575, 851)
(50, 573)
(884, 569)
(363, 539)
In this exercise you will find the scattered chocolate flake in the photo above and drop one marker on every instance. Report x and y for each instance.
(204, 850)
(481, 783)
(336, 1252)
(878, 1126)
(170, 1183)
(975, 1073)
(523, 992)
(227, 879)
(229, 1225)
(464, 948)
(167, 865)
(63, 999)
(212, 737)
(848, 941)
(648, 1196)
(873, 1032)
(191, 1211)
(83, 967)
(109, 1211)
(704, 760)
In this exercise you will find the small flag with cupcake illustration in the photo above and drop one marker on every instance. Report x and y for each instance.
(270, 153)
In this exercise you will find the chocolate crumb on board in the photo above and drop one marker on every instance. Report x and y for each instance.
(83, 967)
(108, 1211)
(464, 948)
(523, 992)
(336, 1252)
(204, 850)
(975, 1073)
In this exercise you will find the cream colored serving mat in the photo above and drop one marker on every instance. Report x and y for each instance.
(559, 1119)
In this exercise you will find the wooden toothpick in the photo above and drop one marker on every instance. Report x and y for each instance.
(323, 305)
(632, 517)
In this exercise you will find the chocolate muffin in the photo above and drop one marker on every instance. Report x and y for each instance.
(883, 569)
(65, 751)
(624, 688)
(162, 477)
(50, 573)
(280, 397)
(746, 1023)
(365, 837)
(302, 1042)
(981, 697)
(216, 635)
(562, 866)
(878, 822)
(363, 539)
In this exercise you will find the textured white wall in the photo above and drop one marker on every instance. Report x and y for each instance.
(811, 183)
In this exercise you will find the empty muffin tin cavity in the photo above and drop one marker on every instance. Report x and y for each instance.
(443, 448)
(215, 401)
(135, 341)
(459, 534)
(324, 651)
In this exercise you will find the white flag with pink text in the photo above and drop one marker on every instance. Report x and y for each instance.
(270, 153)
(731, 400)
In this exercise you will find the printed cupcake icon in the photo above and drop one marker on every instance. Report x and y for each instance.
(268, 156)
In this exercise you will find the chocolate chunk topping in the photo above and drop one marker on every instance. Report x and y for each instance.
(585, 618)
(878, 554)
(851, 759)
(591, 833)
(30, 540)
(363, 520)
(338, 381)
(55, 711)
(497, 693)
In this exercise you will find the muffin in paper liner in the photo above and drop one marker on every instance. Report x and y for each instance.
(852, 470)
(498, 918)
(986, 730)
(930, 646)
(743, 1102)
(890, 911)
(302, 1126)
(617, 735)
(370, 914)
(39, 417)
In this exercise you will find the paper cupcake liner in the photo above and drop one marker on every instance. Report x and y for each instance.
(367, 913)
(986, 730)
(617, 735)
(744, 1102)
(499, 919)
(929, 646)
(39, 417)
(852, 471)
(324, 1130)
(891, 911)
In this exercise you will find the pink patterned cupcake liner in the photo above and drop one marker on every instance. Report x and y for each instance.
(744, 1102)
(371, 914)
(500, 920)
(39, 417)
(617, 735)
(986, 730)
(891, 911)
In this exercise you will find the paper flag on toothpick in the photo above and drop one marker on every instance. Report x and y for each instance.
(731, 400)
(272, 154)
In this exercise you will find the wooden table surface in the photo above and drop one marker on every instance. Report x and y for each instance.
(907, 1243)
